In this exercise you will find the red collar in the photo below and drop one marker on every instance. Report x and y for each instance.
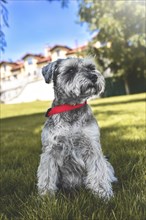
(63, 108)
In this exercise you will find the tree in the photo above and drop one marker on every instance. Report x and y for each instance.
(64, 3)
(3, 23)
(121, 31)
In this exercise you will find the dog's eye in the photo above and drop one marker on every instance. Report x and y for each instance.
(72, 70)
(91, 67)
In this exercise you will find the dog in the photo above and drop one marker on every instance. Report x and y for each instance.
(71, 151)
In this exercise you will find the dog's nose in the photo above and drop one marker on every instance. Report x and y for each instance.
(93, 77)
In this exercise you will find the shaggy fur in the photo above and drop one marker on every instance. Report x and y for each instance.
(71, 153)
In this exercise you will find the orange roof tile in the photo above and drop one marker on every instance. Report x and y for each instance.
(77, 49)
(17, 67)
(44, 59)
(62, 46)
(7, 62)
(37, 56)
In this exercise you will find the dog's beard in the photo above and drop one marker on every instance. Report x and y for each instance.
(79, 89)
(92, 89)
(87, 90)
(101, 85)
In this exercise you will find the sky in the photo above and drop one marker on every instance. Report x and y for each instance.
(33, 24)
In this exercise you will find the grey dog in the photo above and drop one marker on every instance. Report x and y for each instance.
(71, 153)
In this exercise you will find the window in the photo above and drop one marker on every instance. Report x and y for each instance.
(58, 52)
(5, 67)
(30, 61)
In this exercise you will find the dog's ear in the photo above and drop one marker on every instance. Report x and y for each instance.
(48, 71)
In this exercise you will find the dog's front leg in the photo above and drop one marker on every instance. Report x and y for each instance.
(47, 173)
(100, 174)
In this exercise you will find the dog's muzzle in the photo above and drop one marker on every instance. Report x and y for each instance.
(93, 78)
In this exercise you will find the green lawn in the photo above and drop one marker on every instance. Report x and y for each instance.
(122, 122)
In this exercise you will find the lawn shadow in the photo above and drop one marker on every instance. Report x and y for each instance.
(20, 162)
(20, 150)
(117, 102)
(126, 154)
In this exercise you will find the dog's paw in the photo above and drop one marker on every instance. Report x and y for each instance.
(46, 191)
(42, 192)
(104, 194)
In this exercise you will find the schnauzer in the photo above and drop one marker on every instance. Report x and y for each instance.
(71, 153)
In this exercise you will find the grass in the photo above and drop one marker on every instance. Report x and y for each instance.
(122, 122)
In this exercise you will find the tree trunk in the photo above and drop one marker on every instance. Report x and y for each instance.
(126, 87)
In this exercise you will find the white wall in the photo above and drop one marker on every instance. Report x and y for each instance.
(33, 91)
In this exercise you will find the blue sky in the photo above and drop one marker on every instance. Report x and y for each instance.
(37, 23)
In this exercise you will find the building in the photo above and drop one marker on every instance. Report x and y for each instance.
(57, 52)
(18, 77)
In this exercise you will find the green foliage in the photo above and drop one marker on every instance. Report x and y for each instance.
(114, 87)
(64, 3)
(122, 23)
(3, 23)
(123, 139)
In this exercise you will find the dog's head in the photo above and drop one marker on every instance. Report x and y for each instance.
(74, 78)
